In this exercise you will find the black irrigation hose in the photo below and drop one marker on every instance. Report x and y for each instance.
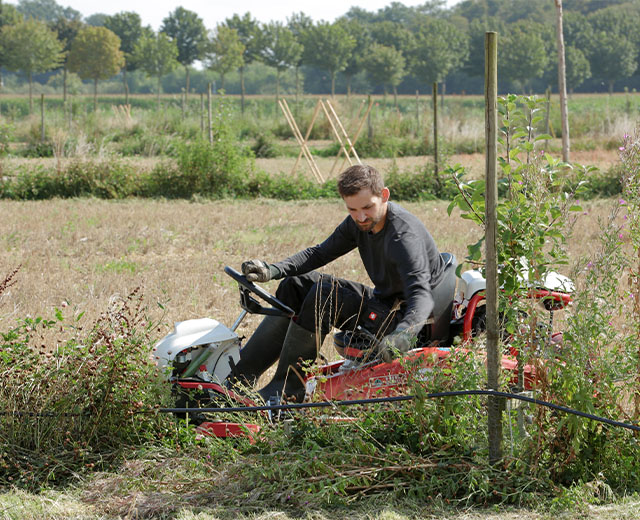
(326, 404)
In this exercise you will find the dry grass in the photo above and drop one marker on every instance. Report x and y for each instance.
(80, 253)
(88, 503)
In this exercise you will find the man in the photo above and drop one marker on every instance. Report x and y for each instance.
(410, 281)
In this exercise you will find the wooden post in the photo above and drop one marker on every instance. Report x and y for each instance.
(184, 104)
(356, 135)
(417, 112)
(562, 85)
(70, 102)
(42, 135)
(209, 112)
(435, 129)
(351, 149)
(336, 134)
(202, 114)
(306, 136)
(284, 106)
(547, 121)
(495, 404)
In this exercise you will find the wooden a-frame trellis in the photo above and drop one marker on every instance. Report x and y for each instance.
(347, 147)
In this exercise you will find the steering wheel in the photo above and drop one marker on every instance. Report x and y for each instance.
(250, 304)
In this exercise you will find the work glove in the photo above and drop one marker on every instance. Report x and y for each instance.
(259, 271)
(395, 344)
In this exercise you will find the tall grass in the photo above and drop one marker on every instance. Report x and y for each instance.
(70, 398)
(151, 129)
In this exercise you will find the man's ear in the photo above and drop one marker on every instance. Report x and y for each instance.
(385, 194)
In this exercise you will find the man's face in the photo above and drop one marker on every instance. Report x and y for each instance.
(368, 210)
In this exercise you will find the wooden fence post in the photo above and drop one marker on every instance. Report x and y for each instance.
(547, 120)
(42, 134)
(495, 404)
(435, 129)
(202, 114)
(417, 112)
(209, 111)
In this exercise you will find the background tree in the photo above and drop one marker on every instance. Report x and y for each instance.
(47, 10)
(127, 25)
(299, 24)
(9, 15)
(522, 55)
(612, 57)
(66, 30)
(385, 66)
(578, 69)
(156, 55)
(363, 40)
(613, 47)
(96, 19)
(474, 65)
(187, 29)
(30, 46)
(392, 34)
(281, 50)
(439, 48)
(248, 30)
(224, 53)
(95, 54)
(328, 46)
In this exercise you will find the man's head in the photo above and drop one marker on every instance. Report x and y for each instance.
(363, 191)
(359, 177)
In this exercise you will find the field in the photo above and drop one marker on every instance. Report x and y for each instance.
(81, 253)
(79, 257)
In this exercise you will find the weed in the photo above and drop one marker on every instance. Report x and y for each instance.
(74, 407)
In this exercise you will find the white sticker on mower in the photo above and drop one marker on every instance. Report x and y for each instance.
(390, 380)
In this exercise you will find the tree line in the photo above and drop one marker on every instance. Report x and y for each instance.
(395, 49)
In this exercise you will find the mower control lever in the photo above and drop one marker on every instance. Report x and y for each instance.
(251, 304)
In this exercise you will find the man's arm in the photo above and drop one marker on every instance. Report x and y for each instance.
(414, 267)
(339, 243)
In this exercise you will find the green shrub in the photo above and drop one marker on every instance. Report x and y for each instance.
(104, 179)
(266, 146)
(75, 407)
(214, 170)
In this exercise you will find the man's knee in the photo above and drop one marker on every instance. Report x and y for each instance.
(293, 290)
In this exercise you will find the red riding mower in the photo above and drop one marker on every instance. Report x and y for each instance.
(199, 354)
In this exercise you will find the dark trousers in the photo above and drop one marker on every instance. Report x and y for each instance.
(322, 301)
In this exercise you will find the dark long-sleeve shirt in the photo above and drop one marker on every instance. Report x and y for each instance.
(402, 261)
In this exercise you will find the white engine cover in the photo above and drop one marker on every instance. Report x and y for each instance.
(472, 281)
(191, 338)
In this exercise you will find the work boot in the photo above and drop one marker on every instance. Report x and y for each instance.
(299, 346)
(260, 352)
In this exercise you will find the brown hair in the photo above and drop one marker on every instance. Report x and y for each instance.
(359, 177)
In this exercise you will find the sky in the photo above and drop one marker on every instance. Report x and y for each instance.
(213, 12)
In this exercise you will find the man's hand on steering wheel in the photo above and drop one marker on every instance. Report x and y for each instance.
(259, 271)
